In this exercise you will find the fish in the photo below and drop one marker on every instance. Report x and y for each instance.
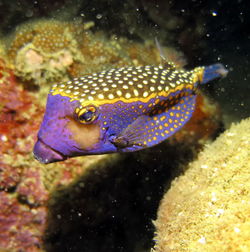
(123, 109)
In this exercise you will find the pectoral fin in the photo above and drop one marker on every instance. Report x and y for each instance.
(133, 136)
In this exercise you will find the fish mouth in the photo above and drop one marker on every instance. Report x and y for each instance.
(46, 154)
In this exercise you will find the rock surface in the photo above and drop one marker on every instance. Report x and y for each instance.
(208, 208)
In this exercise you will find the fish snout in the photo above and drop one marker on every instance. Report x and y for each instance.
(45, 154)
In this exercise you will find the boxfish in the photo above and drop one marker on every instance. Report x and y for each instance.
(119, 110)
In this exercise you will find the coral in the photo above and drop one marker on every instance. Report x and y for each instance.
(42, 51)
(207, 209)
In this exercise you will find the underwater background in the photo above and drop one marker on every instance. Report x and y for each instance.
(190, 193)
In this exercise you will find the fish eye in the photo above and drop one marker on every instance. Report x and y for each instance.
(87, 114)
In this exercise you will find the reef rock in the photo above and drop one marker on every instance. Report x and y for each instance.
(208, 208)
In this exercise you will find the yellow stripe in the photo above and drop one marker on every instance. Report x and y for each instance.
(98, 102)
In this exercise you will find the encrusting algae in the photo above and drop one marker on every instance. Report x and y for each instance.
(208, 208)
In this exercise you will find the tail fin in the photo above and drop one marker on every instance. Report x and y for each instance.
(213, 72)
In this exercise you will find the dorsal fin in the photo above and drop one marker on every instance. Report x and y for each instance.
(166, 64)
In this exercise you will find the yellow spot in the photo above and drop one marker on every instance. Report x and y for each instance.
(166, 131)
(170, 120)
(145, 94)
(157, 101)
(171, 114)
(154, 138)
(166, 124)
(163, 118)
(160, 127)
